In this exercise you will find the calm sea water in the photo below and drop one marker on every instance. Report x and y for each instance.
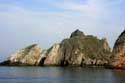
(60, 75)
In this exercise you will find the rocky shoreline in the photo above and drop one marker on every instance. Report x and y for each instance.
(77, 50)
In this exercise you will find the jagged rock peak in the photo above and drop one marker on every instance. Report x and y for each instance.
(77, 33)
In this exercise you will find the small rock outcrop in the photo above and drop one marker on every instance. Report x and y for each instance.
(26, 56)
(118, 54)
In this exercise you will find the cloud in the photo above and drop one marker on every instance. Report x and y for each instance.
(21, 25)
(88, 7)
(91, 14)
(10, 14)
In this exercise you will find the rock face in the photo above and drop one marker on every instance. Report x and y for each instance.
(78, 50)
(118, 54)
(25, 56)
(53, 56)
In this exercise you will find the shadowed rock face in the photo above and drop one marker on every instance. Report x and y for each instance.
(118, 54)
(78, 50)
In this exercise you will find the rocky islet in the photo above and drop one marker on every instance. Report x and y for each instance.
(77, 50)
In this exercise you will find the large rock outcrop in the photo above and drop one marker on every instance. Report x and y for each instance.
(118, 54)
(78, 50)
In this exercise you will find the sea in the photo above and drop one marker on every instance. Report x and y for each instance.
(60, 75)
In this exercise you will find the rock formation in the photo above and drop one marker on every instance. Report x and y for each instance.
(25, 56)
(118, 54)
(78, 50)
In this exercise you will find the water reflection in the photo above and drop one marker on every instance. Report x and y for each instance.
(60, 75)
(118, 76)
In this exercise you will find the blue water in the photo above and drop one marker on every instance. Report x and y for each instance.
(60, 75)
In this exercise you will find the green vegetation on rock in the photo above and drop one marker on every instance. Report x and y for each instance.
(78, 50)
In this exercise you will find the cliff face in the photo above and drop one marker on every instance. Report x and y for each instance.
(118, 54)
(78, 50)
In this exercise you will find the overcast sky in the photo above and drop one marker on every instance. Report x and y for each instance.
(24, 22)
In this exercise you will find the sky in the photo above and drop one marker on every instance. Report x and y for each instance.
(25, 22)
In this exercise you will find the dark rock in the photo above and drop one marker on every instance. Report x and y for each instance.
(77, 33)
